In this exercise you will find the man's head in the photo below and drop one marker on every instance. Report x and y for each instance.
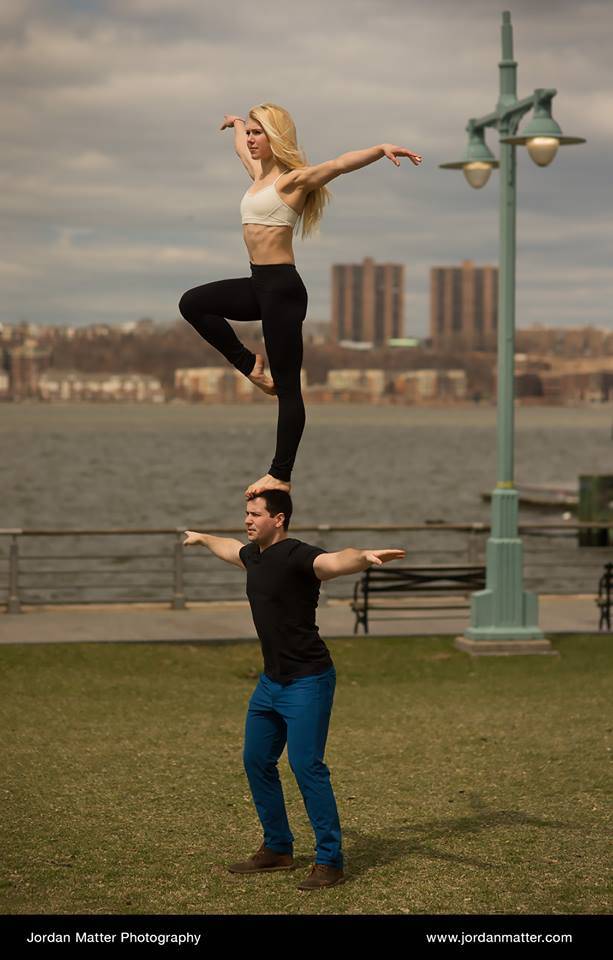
(267, 515)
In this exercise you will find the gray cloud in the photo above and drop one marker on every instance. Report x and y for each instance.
(119, 191)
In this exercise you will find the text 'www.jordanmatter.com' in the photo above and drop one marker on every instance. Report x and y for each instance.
(462, 938)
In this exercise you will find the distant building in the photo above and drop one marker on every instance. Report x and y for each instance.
(356, 344)
(202, 383)
(463, 307)
(95, 330)
(144, 327)
(73, 385)
(411, 342)
(316, 332)
(367, 301)
(418, 386)
(583, 387)
(218, 384)
(411, 386)
(566, 341)
(350, 383)
(26, 362)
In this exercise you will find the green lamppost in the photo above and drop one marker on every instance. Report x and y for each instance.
(504, 617)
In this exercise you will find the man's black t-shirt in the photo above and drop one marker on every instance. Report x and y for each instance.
(283, 591)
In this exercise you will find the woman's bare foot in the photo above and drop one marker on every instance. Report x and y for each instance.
(261, 379)
(266, 483)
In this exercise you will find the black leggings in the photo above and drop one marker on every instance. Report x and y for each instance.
(276, 295)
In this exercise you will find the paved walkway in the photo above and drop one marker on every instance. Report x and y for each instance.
(231, 621)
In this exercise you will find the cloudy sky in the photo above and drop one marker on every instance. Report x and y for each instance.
(119, 191)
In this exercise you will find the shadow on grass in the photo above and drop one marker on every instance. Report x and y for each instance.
(366, 852)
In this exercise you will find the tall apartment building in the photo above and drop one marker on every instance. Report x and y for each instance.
(367, 301)
(464, 307)
(26, 362)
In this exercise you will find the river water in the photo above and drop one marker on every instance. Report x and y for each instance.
(182, 465)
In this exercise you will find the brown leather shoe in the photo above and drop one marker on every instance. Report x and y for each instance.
(264, 860)
(322, 875)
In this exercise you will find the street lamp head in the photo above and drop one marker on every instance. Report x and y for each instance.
(542, 135)
(542, 149)
(478, 161)
(477, 173)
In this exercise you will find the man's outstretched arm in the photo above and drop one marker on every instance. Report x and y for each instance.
(338, 564)
(226, 548)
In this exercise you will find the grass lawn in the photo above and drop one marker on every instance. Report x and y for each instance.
(463, 786)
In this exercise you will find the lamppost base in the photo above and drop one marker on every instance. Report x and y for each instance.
(504, 616)
(505, 613)
(500, 646)
(504, 622)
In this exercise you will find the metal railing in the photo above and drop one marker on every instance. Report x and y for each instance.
(130, 572)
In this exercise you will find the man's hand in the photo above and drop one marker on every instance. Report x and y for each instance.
(191, 537)
(351, 560)
(379, 557)
(226, 548)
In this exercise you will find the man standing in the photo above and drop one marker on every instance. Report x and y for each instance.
(292, 701)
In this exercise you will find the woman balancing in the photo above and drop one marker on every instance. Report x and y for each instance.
(285, 190)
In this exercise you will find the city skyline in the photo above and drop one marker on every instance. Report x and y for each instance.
(154, 364)
(120, 191)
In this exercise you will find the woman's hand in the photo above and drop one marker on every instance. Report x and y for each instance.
(392, 152)
(228, 120)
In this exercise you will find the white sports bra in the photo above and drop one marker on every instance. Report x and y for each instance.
(267, 207)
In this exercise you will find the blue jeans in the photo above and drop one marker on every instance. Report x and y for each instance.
(297, 713)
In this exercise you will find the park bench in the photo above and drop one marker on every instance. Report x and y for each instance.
(393, 590)
(604, 598)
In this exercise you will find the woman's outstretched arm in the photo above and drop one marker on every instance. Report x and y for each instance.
(313, 177)
(253, 167)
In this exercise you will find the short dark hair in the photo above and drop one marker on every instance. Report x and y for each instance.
(278, 501)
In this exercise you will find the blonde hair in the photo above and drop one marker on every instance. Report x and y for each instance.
(280, 129)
